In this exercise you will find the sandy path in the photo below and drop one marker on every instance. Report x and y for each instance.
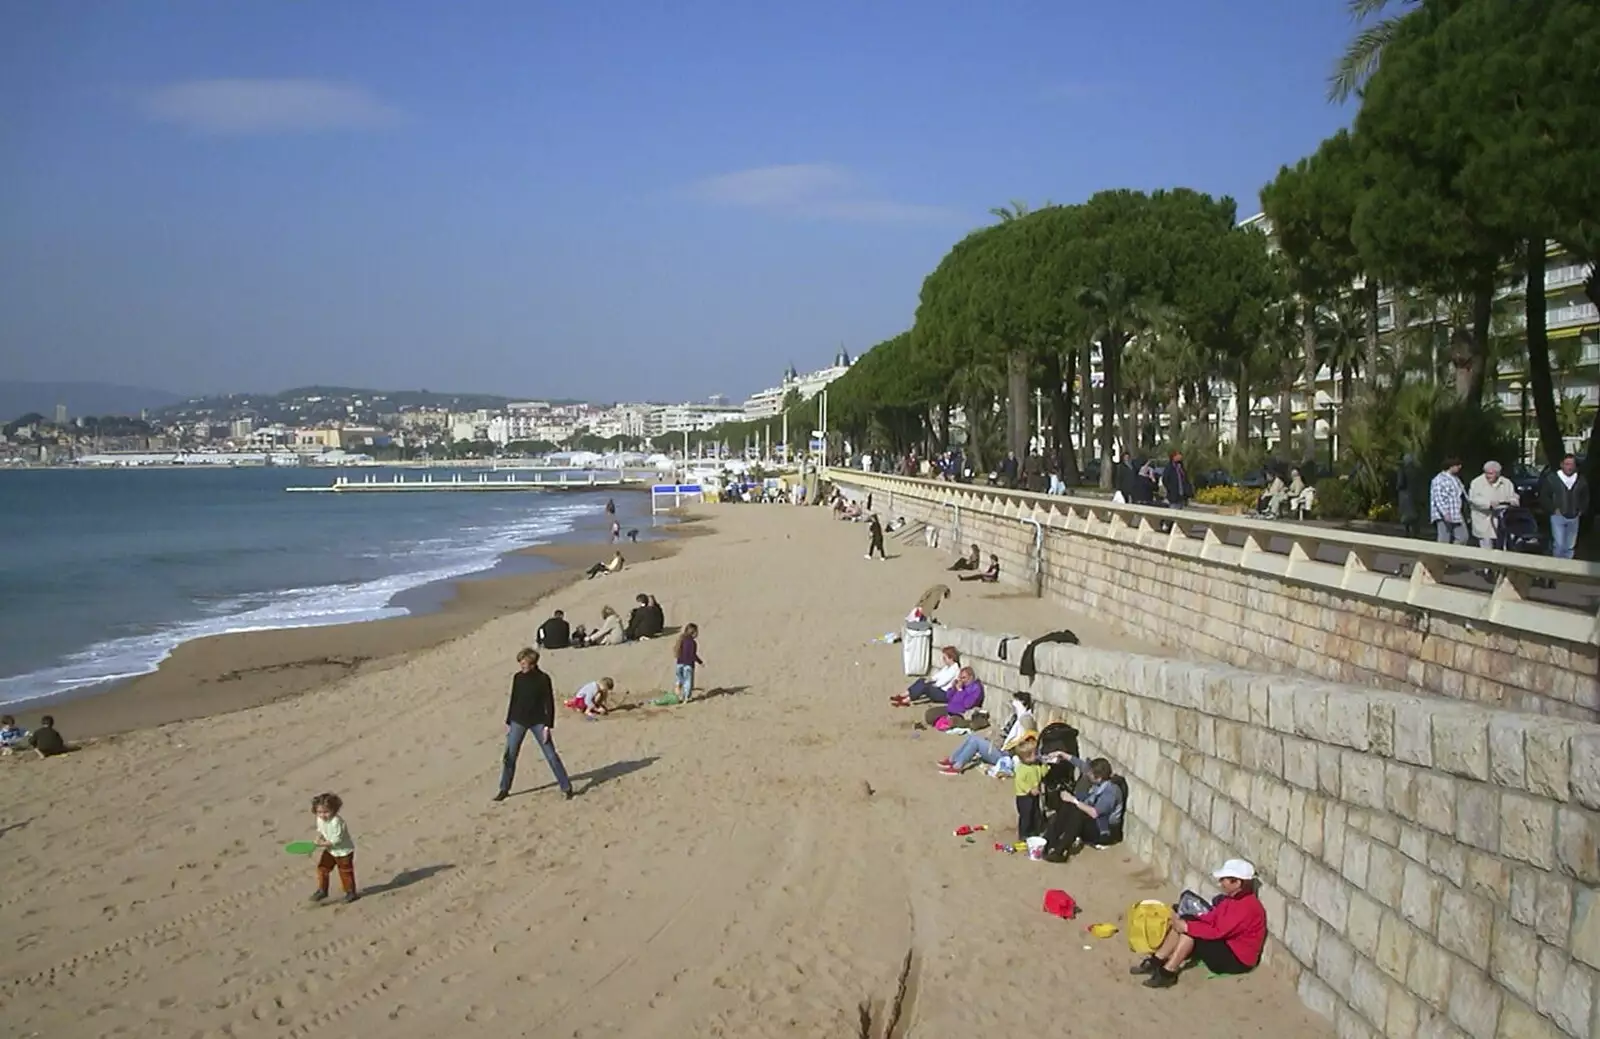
(725, 873)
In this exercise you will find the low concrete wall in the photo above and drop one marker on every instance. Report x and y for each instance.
(1429, 867)
(1266, 610)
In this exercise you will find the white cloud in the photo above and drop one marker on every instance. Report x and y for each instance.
(811, 189)
(266, 106)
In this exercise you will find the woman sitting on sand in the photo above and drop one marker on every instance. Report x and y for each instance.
(989, 576)
(966, 696)
(606, 568)
(610, 632)
(936, 687)
(970, 561)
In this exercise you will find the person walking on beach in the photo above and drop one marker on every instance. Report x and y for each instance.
(532, 709)
(611, 506)
(686, 654)
(338, 848)
(875, 532)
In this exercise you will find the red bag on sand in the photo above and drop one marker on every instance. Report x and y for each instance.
(1059, 903)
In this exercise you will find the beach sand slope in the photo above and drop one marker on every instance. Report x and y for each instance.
(775, 859)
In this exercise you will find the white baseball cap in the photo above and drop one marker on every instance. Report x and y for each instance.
(1237, 869)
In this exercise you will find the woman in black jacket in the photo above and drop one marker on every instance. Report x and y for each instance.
(532, 709)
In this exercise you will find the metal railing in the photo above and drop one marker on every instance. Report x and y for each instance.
(1538, 595)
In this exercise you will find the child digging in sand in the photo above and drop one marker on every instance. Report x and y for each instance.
(591, 699)
(338, 848)
(686, 653)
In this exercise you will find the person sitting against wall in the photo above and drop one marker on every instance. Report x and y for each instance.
(645, 620)
(965, 696)
(937, 686)
(971, 561)
(1228, 939)
(989, 576)
(1094, 819)
(978, 748)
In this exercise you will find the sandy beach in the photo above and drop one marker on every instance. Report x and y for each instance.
(766, 861)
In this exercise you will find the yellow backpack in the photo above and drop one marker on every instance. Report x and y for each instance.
(1148, 922)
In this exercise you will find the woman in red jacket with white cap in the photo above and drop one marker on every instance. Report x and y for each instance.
(1228, 939)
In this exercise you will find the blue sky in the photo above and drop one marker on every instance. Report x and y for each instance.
(608, 201)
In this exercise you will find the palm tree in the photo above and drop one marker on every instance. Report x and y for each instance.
(1115, 315)
(1362, 57)
(1016, 210)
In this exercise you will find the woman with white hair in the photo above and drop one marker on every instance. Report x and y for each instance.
(1488, 493)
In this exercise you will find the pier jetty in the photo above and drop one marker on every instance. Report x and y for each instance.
(504, 482)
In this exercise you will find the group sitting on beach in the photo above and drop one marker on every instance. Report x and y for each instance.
(990, 575)
(44, 741)
(647, 619)
(1068, 802)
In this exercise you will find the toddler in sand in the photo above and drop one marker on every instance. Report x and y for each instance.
(338, 848)
(1027, 779)
(686, 653)
(591, 698)
(11, 735)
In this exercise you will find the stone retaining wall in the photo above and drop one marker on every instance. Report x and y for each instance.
(1429, 867)
(1259, 621)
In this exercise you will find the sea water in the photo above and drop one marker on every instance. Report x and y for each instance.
(103, 573)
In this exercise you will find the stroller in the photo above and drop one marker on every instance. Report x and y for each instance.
(1516, 529)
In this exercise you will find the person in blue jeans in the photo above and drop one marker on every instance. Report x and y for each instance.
(978, 748)
(532, 709)
(686, 653)
(1564, 494)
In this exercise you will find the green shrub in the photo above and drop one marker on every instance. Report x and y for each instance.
(1339, 500)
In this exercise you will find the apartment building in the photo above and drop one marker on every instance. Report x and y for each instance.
(769, 402)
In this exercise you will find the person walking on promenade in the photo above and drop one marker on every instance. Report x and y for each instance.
(1564, 494)
(875, 532)
(532, 709)
(1489, 495)
(1445, 495)
(1175, 480)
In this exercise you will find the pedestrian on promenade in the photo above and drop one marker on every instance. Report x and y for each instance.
(1564, 494)
(1445, 495)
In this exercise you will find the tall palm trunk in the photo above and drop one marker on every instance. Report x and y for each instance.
(1308, 347)
(1242, 411)
(1541, 386)
(1372, 340)
(1086, 400)
(1017, 425)
(1111, 359)
(1470, 349)
(1062, 458)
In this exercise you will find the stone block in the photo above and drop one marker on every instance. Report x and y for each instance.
(1585, 946)
(1310, 712)
(1385, 874)
(1461, 743)
(1361, 926)
(1429, 974)
(1549, 757)
(1413, 732)
(1400, 790)
(1380, 722)
(1466, 925)
(1448, 859)
(1514, 957)
(1488, 877)
(1414, 843)
(1419, 898)
(1577, 843)
(1508, 764)
(1474, 1003)
(1527, 829)
(1362, 779)
(1395, 942)
(1300, 762)
(1478, 815)
(1565, 992)
(1300, 933)
(1290, 870)
(1404, 1016)
(1333, 834)
(1356, 858)
(1349, 1024)
(1347, 719)
(1542, 901)
(1336, 961)
(1585, 774)
(1313, 821)
(1384, 827)
(1520, 1021)
(1318, 997)
(1328, 760)
(1326, 895)
(1280, 707)
(1436, 802)
(1369, 992)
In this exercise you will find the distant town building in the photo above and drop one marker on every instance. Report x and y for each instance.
(61, 414)
(769, 402)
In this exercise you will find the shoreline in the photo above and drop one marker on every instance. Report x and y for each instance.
(235, 671)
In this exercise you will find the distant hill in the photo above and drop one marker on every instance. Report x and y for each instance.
(81, 398)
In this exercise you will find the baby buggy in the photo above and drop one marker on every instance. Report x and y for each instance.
(1516, 529)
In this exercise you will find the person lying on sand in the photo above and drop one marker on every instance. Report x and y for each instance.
(989, 576)
(606, 568)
